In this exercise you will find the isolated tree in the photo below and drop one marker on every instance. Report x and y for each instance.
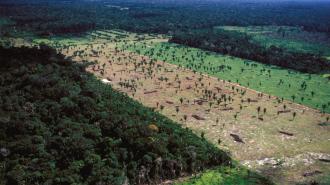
(312, 93)
(177, 109)
(258, 109)
(294, 115)
(324, 106)
(181, 100)
(202, 135)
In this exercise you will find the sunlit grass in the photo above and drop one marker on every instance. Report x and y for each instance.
(261, 77)
(226, 176)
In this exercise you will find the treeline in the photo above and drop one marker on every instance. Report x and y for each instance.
(243, 46)
(60, 125)
(69, 29)
(161, 16)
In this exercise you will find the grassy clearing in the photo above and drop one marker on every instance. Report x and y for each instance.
(225, 176)
(126, 139)
(269, 141)
(230, 175)
(93, 37)
(59, 41)
(291, 38)
(264, 78)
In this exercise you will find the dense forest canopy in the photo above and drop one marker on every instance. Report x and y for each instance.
(60, 125)
(61, 17)
(181, 19)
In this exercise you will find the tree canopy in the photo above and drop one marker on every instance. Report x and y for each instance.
(60, 125)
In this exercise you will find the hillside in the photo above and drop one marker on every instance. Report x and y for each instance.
(60, 125)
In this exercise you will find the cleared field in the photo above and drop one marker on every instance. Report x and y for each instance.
(291, 38)
(308, 89)
(99, 36)
(283, 137)
(221, 176)
(280, 139)
(59, 42)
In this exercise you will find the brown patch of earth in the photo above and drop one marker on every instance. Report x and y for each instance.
(275, 142)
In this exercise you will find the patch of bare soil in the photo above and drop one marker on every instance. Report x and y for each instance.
(261, 131)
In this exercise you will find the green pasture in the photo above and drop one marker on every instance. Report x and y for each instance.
(291, 38)
(226, 176)
(61, 41)
(264, 78)
(88, 38)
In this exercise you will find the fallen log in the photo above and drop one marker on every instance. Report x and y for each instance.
(237, 138)
(218, 88)
(286, 133)
(199, 102)
(251, 101)
(149, 92)
(197, 117)
(169, 102)
(284, 111)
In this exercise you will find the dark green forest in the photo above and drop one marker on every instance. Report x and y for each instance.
(241, 45)
(73, 17)
(60, 125)
(189, 22)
